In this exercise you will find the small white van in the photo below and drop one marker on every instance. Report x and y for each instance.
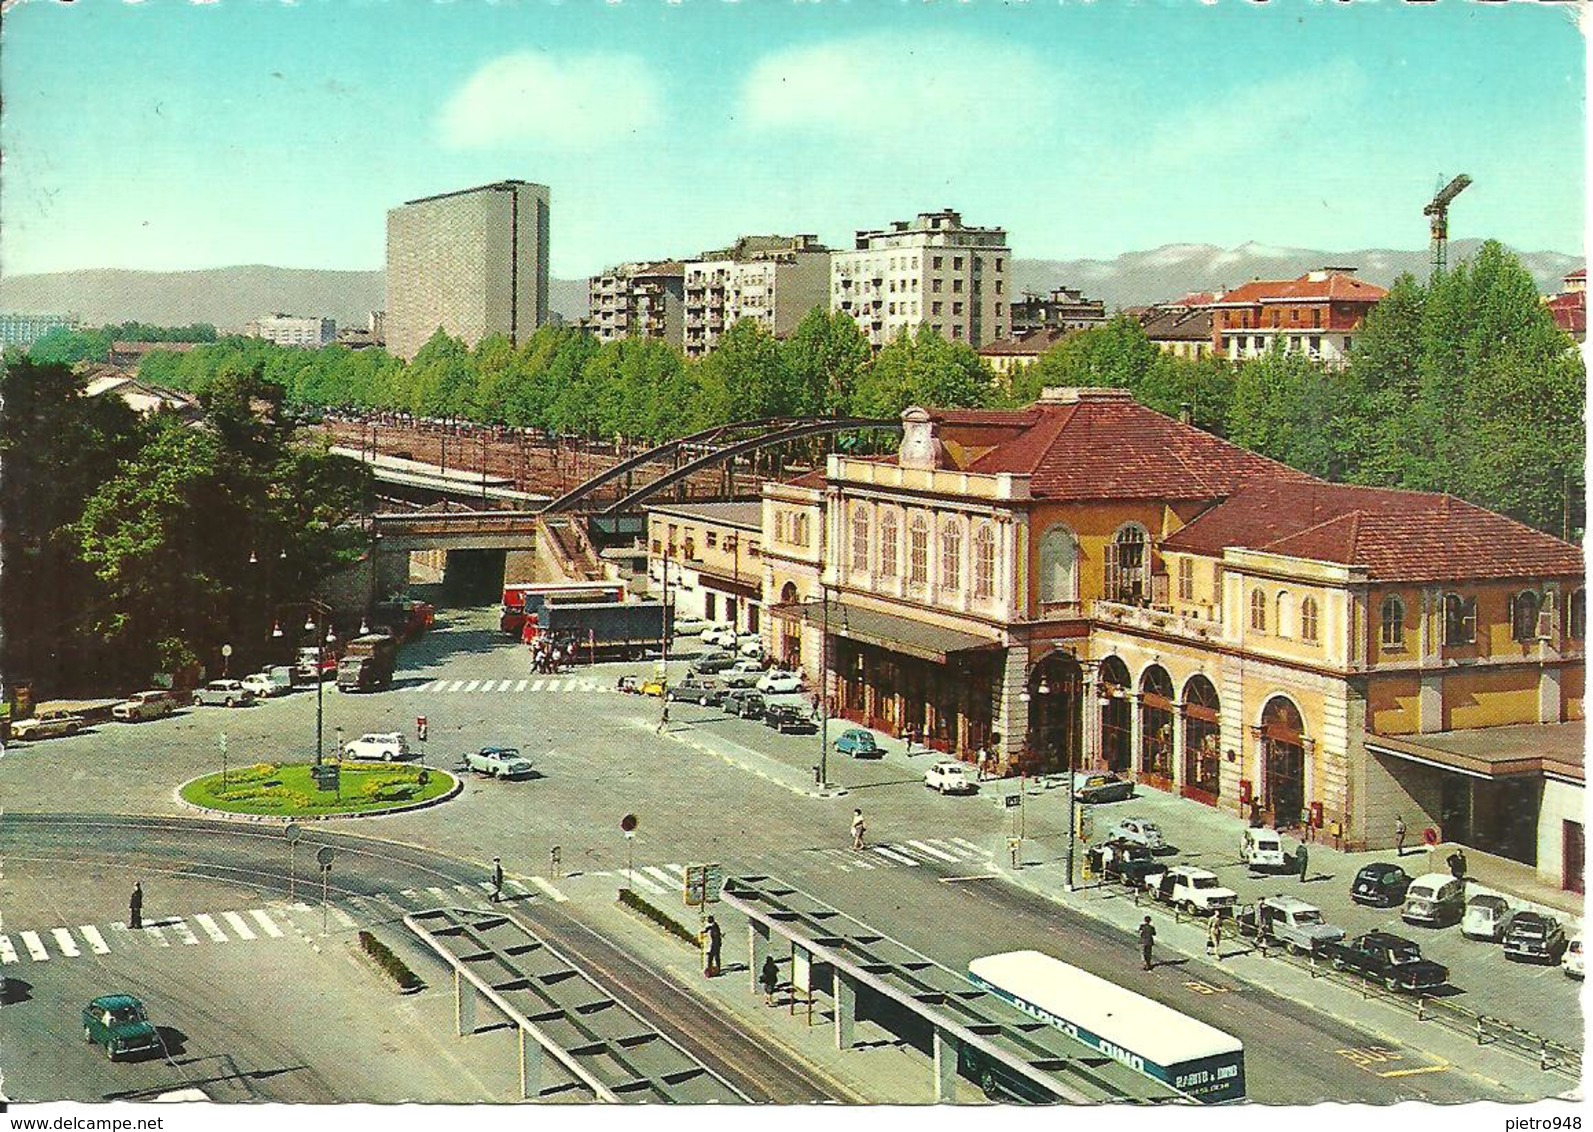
(1433, 900)
(1262, 850)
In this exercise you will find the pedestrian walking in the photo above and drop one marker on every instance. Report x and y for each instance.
(1399, 835)
(858, 829)
(1302, 861)
(984, 759)
(1147, 939)
(769, 978)
(1255, 814)
(714, 938)
(135, 906)
(1214, 936)
(1457, 865)
(497, 880)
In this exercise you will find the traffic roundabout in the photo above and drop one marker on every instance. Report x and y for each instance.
(307, 791)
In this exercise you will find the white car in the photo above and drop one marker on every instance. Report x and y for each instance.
(1571, 961)
(50, 723)
(1261, 849)
(950, 778)
(777, 682)
(689, 626)
(1139, 831)
(263, 685)
(1487, 917)
(384, 746)
(752, 648)
(225, 693)
(144, 705)
(714, 630)
(1194, 890)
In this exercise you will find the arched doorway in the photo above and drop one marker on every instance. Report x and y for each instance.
(1117, 715)
(1156, 727)
(1202, 741)
(790, 631)
(1056, 721)
(1283, 755)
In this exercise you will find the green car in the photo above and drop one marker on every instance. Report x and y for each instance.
(117, 1022)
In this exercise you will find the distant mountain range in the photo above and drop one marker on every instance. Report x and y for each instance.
(229, 297)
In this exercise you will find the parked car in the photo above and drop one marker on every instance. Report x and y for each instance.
(1092, 788)
(499, 762)
(710, 663)
(1196, 891)
(689, 626)
(50, 723)
(695, 690)
(1535, 938)
(743, 674)
(858, 743)
(724, 638)
(1125, 861)
(630, 685)
(652, 686)
(775, 682)
(1486, 917)
(950, 778)
(384, 746)
(118, 1023)
(1434, 900)
(1262, 851)
(1291, 922)
(1571, 961)
(712, 630)
(748, 705)
(152, 704)
(1380, 885)
(1389, 959)
(226, 693)
(789, 718)
(263, 685)
(1139, 830)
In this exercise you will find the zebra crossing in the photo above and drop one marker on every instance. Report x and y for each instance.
(530, 684)
(658, 880)
(171, 935)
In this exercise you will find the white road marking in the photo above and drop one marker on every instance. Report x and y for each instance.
(8, 950)
(473, 685)
(678, 870)
(520, 687)
(393, 906)
(537, 687)
(646, 885)
(432, 686)
(154, 933)
(558, 897)
(410, 895)
(34, 944)
(210, 927)
(237, 924)
(64, 940)
(184, 933)
(570, 686)
(266, 922)
(341, 916)
(456, 685)
(504, 687)
(95, 940)
(932, 851)
(669, 881)
(485, 886)
(968, 845)
(516, 887)
(899, 858)
(440, 895)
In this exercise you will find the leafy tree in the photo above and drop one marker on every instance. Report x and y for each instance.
(1285, 406)
(922, 368)
(825, 357)
(442, 378)
(745, 376)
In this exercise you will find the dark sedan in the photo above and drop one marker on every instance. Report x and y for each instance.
(788, 719)
(1534, 938)
(1380, 885)
(696, 691)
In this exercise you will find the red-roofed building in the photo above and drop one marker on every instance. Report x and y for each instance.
(1569, 307)
(1086, 582)
(1319, 314)
(1006, 356)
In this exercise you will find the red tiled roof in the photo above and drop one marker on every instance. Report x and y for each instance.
(1333, 288)
(1579, 273)
(1397, 536)
(1569, 311)
(1104, 446)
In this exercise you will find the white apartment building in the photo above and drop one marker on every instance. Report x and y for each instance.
(774, 279)
(637, 300)
(932, 270)
(291, 330)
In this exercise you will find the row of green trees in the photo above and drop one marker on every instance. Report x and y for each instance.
(133, 545)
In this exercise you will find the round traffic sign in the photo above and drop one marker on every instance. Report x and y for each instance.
(1430, 835)
(628, 823)
(226, 650)
(291, 833)
(323, 856)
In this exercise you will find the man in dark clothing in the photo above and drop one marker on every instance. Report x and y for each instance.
(1457, 865)
(715, 939)
(1302, 861)
(770, 978)
(497, 880)
(135, 906)
(1147, 938)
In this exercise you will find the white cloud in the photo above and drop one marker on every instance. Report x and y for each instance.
(932, 89)
(572, 102)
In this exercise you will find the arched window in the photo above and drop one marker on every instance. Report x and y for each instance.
(984, 562)
(1393, 629)
(918, 550)
(1308, 627)
(1576, 615)
(860, 538)
(1285, 625)
(1127, 565)
(788, 594)
(1258, 610)
(1524, 616)
(1460, 620)
(951, 556)
(1059, 555)
(887, 543)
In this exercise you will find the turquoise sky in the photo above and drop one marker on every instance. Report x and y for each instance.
(173, 135)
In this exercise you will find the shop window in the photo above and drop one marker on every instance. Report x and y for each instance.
(918, 551)
(1460, 620)
(984, 562)
(1308, 620)
(1393, 624)
(951, 557)
(1524, 616)
(887, 543)
(1258, 610)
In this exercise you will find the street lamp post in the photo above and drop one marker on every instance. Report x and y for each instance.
(824, 686)
(320, 613)
(668, 628)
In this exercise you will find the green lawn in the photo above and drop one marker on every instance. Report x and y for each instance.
(287, 790)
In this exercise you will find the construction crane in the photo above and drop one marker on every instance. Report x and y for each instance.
(1438, 209)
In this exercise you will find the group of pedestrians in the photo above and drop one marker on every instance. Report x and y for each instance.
(550, 654)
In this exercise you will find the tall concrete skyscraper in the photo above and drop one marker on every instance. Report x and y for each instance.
(473, 262)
